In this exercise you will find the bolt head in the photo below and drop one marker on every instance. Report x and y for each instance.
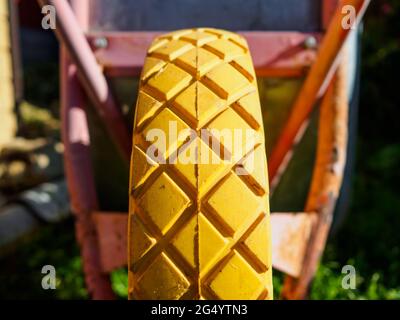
(310, 43)
(100, 43)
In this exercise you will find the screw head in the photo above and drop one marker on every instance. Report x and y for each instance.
(310, 43)
(100, 43)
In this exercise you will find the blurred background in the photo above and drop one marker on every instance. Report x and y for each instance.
(368, 239)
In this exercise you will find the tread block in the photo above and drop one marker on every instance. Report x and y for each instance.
(151, 66)
(144, 166)
(162, 280)
(169, 81)
(247, 108)
(245, 66)
(171, 50)
(198, 61)
(163, 202)
(226, 81)
(149, 106)
(256, 173)
(259, 250)
(142, 241)
(228, 200)
(211, 243)
(185, 240)
(238, 138)
(165, 122)
(199, 38)
(225, 49)
(236, 280)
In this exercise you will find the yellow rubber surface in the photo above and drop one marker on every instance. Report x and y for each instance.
(199, 230)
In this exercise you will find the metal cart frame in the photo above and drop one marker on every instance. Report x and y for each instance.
(89, 58)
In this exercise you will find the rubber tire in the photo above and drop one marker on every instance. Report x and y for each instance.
(198, 231)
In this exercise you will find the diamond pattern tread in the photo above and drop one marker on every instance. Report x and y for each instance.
(199, 229)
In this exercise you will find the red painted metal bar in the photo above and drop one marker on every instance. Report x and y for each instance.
(79, 173)
(69, 33)
(275, 54)
(81, 10)
(327, 55)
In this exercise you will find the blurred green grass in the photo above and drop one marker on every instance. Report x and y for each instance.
(369, 239)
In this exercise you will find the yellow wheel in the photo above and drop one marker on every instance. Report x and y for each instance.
(199, 213)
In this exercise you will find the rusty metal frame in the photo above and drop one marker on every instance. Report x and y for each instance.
(79, 174)
(101, 235)
(315, 84)
(298, 239)
(275, 54)
(72, 36)
(326, 180)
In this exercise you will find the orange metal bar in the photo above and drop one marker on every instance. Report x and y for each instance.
(327, 179)
(330, 48)
(328, 10)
